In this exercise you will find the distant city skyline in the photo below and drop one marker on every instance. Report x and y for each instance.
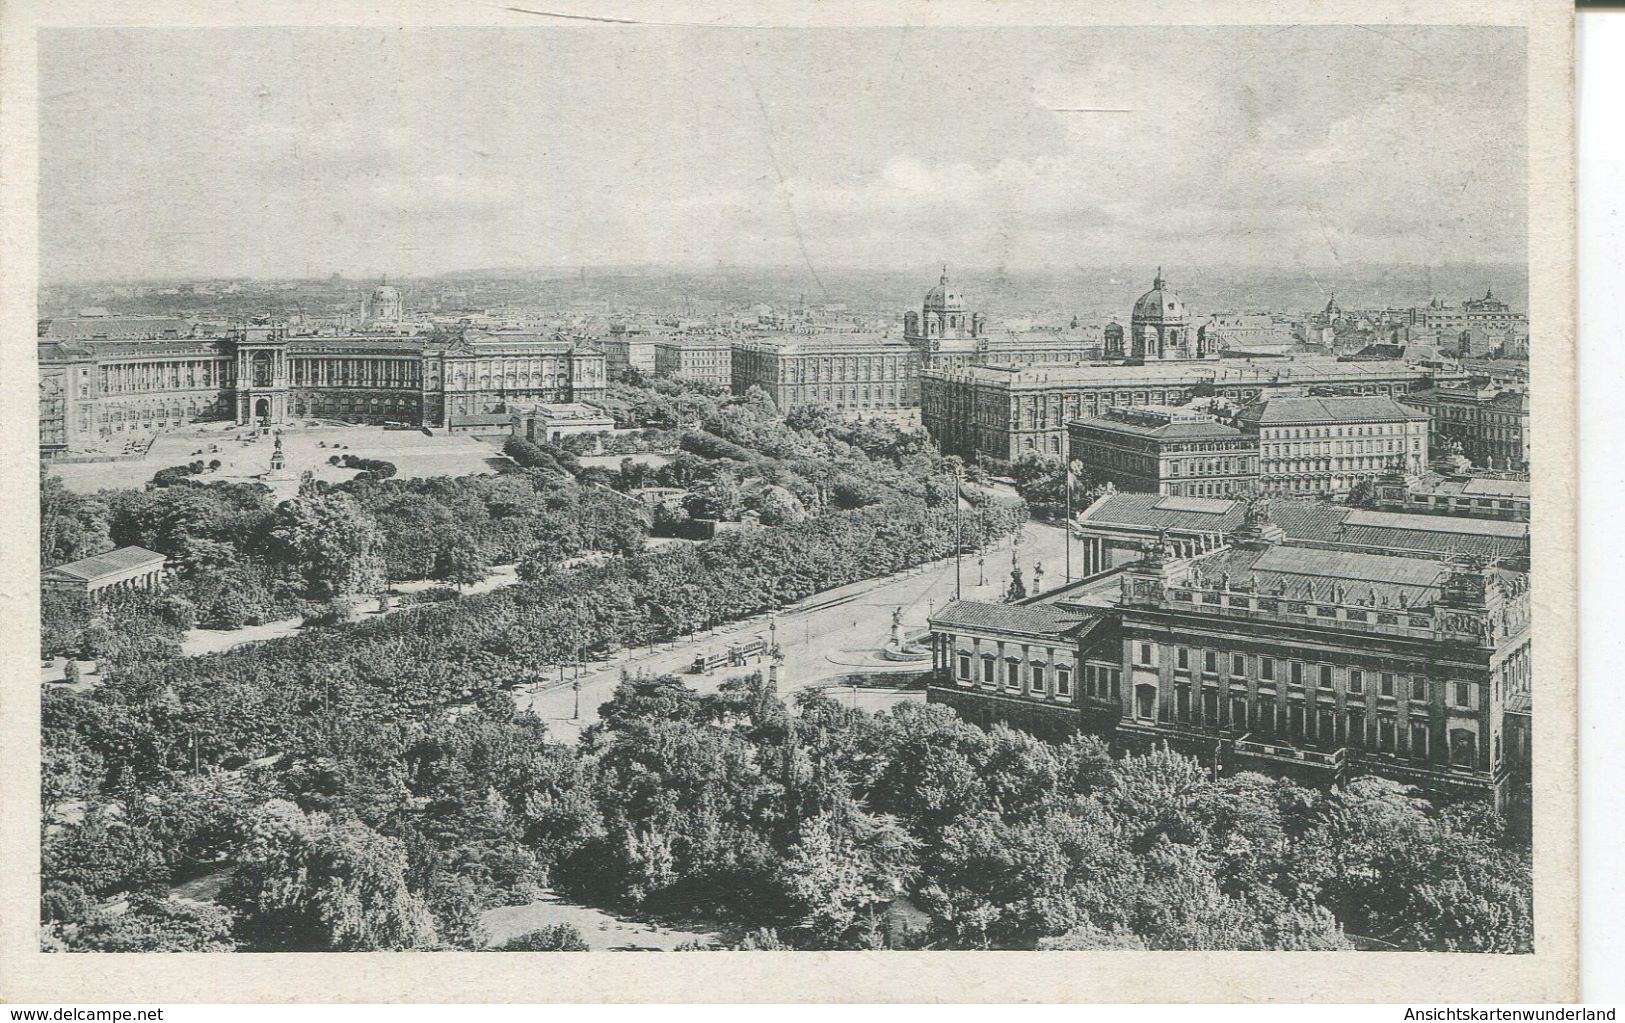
(1104, 291)
(414, 153)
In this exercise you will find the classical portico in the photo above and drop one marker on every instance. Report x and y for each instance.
(125, 570)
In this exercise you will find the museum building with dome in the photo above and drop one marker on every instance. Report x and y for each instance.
(1160, 328)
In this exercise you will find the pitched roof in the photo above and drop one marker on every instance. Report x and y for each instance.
(1154, 511)
(1308, 573)
(1478, 486)
(1306, 522)
(1364, 408)
(1435, 523)
(1027, 619)
(72, 328)
(1317, 523)
(112, 563)
(1204, 430)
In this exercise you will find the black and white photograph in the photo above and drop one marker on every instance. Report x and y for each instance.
(632, 484)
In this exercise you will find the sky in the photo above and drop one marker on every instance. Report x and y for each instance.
(276, 153)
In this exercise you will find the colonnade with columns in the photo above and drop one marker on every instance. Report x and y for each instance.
(148, 580)
(1092, 551)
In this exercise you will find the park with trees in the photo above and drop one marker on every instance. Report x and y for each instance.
(370, 784)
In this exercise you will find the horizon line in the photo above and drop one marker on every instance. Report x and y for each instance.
(675, 268)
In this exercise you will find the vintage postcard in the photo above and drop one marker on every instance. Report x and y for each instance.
(988, 502)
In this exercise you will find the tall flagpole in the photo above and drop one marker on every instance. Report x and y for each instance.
(959, 542)
(1066, 482)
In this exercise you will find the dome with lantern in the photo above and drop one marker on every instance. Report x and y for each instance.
(383, 305)
(1160, 304)
(944, 298)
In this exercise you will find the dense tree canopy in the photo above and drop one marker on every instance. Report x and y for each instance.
(369, 784)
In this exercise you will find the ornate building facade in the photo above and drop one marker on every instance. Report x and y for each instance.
(853, 374)
(1002, 411)
(1489, 424)
(1488, 313)
(706, 359)
(944, 332)
(1161, 449)
(1112, 531)
(103, 391)
(1329, 445)
(1259, 655)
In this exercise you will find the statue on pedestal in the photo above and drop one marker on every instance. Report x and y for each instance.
(1018, 589)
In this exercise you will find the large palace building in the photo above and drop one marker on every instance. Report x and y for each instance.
(96, 392)
(1002, 411)
(854, 374)
(1259, 654)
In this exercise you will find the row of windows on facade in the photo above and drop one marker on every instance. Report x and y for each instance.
(1275, 605)
(1120, 458)
(1270, 718)
(1348, 471)
(833, 369)
(1461, 503)
(1321, 724)
(1348, 447)
(1067, 405)
(339, 377)
(160, 376)
(1312, 432)
(1206, 466)
(1462, 694)
(1220, 488)
(1040, 418)
(1010, 677)
(117, 419)
(345, 407)
(855, 393)
(1312, 485)
(1149, 464)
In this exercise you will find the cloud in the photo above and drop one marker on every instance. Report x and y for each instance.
(412, 152)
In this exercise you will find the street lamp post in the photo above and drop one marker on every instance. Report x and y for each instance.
(1067, 483)
(773, 651)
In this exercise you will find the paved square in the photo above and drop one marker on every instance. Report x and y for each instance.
(245, 456)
